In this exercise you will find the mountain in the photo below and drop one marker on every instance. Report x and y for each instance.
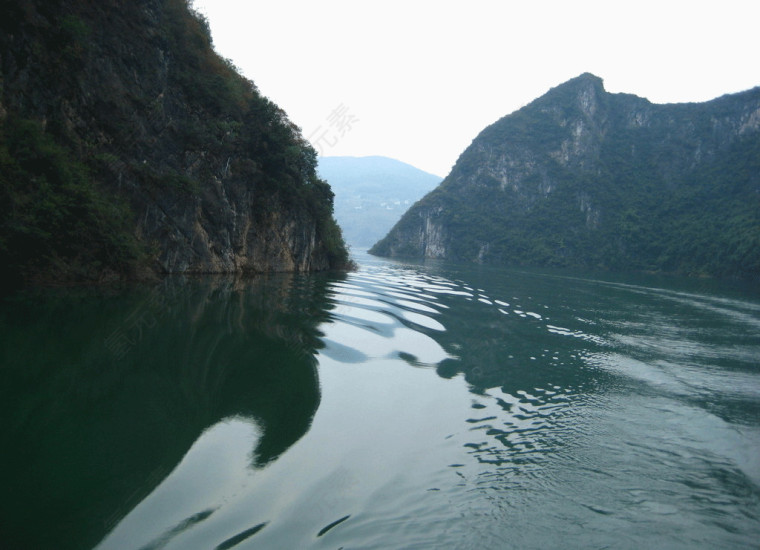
(371, 193)
(129, 147)
(584, 178)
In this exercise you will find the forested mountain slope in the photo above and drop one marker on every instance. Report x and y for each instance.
(584, 178)
(128, 146)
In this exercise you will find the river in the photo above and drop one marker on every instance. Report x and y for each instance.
(404, 405)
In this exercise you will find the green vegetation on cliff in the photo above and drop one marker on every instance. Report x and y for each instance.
(584, 178)
(128, 145)
(53, 213)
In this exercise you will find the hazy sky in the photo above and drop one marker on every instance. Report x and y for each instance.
(418, 80)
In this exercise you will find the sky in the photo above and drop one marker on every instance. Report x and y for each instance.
(417, 80)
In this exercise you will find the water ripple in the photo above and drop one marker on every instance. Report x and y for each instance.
(576, 407)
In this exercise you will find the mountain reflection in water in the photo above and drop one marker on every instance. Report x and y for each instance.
(401, 406)
(91, 429)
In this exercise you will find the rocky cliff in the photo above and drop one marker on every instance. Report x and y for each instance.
(129, 146)
(584, 178)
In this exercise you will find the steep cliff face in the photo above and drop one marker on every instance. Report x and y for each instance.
(128, 145)
(582, 177)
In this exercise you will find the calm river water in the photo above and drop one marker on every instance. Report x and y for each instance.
(400, 406)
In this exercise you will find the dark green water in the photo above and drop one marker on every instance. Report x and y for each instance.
(401, 406)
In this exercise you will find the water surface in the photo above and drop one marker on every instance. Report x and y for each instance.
(401, 406)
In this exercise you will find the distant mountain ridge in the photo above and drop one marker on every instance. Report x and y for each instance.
(371, 193)
(584, 178)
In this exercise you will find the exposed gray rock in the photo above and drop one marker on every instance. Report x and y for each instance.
(581, 177)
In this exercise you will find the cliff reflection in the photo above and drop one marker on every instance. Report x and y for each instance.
(102, 396)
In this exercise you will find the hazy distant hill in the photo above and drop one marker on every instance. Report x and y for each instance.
(371, 193)
(584, 178)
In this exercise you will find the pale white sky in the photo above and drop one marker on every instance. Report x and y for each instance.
(417, 80)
